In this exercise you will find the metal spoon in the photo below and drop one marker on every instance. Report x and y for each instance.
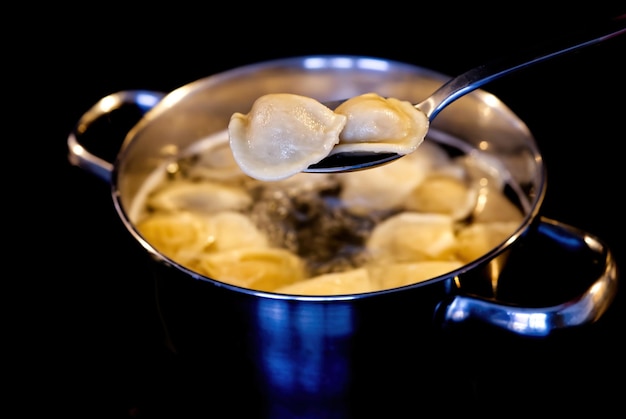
(467, 82)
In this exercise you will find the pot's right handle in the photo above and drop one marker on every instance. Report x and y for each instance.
(141, 101)
(586, 308)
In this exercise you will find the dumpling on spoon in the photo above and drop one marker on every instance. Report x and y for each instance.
(282, 135)
(381, 124)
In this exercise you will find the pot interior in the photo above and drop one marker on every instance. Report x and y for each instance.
(203, 108)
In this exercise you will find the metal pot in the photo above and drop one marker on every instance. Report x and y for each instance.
(310, 348)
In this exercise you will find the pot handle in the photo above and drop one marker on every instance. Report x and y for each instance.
(586, 307)
(132, 104)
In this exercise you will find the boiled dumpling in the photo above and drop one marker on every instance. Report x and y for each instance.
(400, 274)
(444, 194)
(477, 239)
(214, 160)
(384, 187)
(282, 135)
(203, 197)
(430, 156)
(493, 205)
(412, 237)
(381, 188)
(381, 124)
(259, 268)
(183, 236)
(232, 230)
(484, 168)
(304, 183)
(180, 236)
(389, 186)
(349, 282)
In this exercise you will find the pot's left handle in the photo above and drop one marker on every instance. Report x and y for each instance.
(139, 101)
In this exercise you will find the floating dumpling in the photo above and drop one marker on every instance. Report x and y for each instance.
(381, 188)
(260, 268)
(180, 236)
(233, 230)
(413, 237)
(489, 176)
(282, 135)
(493, 205)
(389, 186)
(203, 197)
(400, 274)
(443, 194)
(477, 239)
(349, 282)
(213, 160)
(381, 124)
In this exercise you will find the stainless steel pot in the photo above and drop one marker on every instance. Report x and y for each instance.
(307, 348)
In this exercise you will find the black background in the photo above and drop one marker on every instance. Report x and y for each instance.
(87, 343)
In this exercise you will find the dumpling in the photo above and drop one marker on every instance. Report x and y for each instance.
(180, 236)
(413, 237)
(282, 135)
(477, 239)
(259, 268)
(349, 282)
(380, 188)
(389, 186)
(400, 274)
(202, 197)
(444, 194)
(285, 133)
(490, 178)
(379, 124)
(493, 205)
(232, 230)
(213, 160)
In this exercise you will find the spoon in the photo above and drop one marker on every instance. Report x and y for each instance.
(464, 84)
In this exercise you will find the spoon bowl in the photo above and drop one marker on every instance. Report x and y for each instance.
(471, 80)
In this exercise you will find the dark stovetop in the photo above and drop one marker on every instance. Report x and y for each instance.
(96, 321)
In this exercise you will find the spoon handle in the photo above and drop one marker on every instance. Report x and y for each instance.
(476, 77)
